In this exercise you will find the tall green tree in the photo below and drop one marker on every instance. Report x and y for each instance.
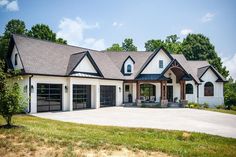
(152, 45)
(42, 31)
(115, 47)
(230, 93)
(199, 47)
(14, 26)
(128, 45)
(171, 43)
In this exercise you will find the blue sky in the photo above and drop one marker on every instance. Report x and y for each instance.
(99, 23)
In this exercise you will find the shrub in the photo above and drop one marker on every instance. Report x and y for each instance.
(233, 107)
(205, 105)
(194, 105)
(220, 106)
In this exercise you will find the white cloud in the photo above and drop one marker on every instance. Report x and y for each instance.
(10, 5)
(73, 30)
(117, 24)
(186, 31)
(229, 62)
(3, 2)
(207, 17)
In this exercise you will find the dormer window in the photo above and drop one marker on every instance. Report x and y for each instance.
(129, 68)
(16, 58)
(160, 64)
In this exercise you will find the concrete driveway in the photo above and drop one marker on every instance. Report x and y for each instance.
(173, 119)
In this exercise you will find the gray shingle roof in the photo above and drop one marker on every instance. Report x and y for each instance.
(48, 58)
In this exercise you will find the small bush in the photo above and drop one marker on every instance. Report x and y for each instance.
(220, 106)
(205, 105)
(233, 107)
(194, 105)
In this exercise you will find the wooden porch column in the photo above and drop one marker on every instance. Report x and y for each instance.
(138, 90)
(182, 90)
(164, 100)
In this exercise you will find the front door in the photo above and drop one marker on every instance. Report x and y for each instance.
(170, 93)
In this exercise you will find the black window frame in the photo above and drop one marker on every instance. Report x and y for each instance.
(208, 89)
(127, 88)
(147, 90)
(129, 68)
(189, 88)
(16, 59)
(161, 64)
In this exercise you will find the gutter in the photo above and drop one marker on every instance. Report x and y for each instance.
(30, 93)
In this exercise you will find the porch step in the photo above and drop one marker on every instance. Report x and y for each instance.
(129, 104)
(173, 105)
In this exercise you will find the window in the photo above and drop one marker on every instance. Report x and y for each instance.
(160, 63)
(127, 88)
(189, 89)
(147, 91)
(129, 68)
(208, 89)
(16, 57)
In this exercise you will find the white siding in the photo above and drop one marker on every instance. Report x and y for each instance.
(153, 66)
(85, 66)
(192, 97)
(218, 97)
(19, 64)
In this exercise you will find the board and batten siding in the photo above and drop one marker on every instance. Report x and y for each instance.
(153, 66)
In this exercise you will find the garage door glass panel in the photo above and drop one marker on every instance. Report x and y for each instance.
(107, 96)
(81, 96)
(49, 97)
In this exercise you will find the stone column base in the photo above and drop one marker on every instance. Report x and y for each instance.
(183, 103)
(164, 103)
(138, 103)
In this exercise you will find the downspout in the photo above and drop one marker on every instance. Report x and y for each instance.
(197, 93)
(30, 93)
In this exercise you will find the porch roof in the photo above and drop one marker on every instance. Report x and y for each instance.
(151, 77)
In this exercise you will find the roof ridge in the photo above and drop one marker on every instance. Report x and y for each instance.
(25, 36)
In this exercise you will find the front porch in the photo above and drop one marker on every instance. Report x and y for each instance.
(165, 89)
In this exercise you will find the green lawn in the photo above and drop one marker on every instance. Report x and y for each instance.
(38, 135)
(221, 110)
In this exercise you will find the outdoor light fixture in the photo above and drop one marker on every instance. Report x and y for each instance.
(119, 89)
(25, 88)
(66, 89)
(32, 89)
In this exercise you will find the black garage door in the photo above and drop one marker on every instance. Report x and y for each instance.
(49, 97)
(107, 96)
(81, 96)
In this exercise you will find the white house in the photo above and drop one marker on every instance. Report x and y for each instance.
(60, 77)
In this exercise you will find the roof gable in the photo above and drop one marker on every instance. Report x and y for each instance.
(202, 71)
(84, 64)
(150, 59)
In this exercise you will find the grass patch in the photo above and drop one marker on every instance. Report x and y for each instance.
(38, 133)
(221, 110)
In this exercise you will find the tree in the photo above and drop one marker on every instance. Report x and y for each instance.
(14, 26)
(42, 31)
(171, 43)
(199, 47)
(230, 93)
(115, 47)
(128, 45)
(11, 100)
(152, 45)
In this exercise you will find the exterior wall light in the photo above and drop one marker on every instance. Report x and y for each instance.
(32, 89)
(119, 89)
(66, 89)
